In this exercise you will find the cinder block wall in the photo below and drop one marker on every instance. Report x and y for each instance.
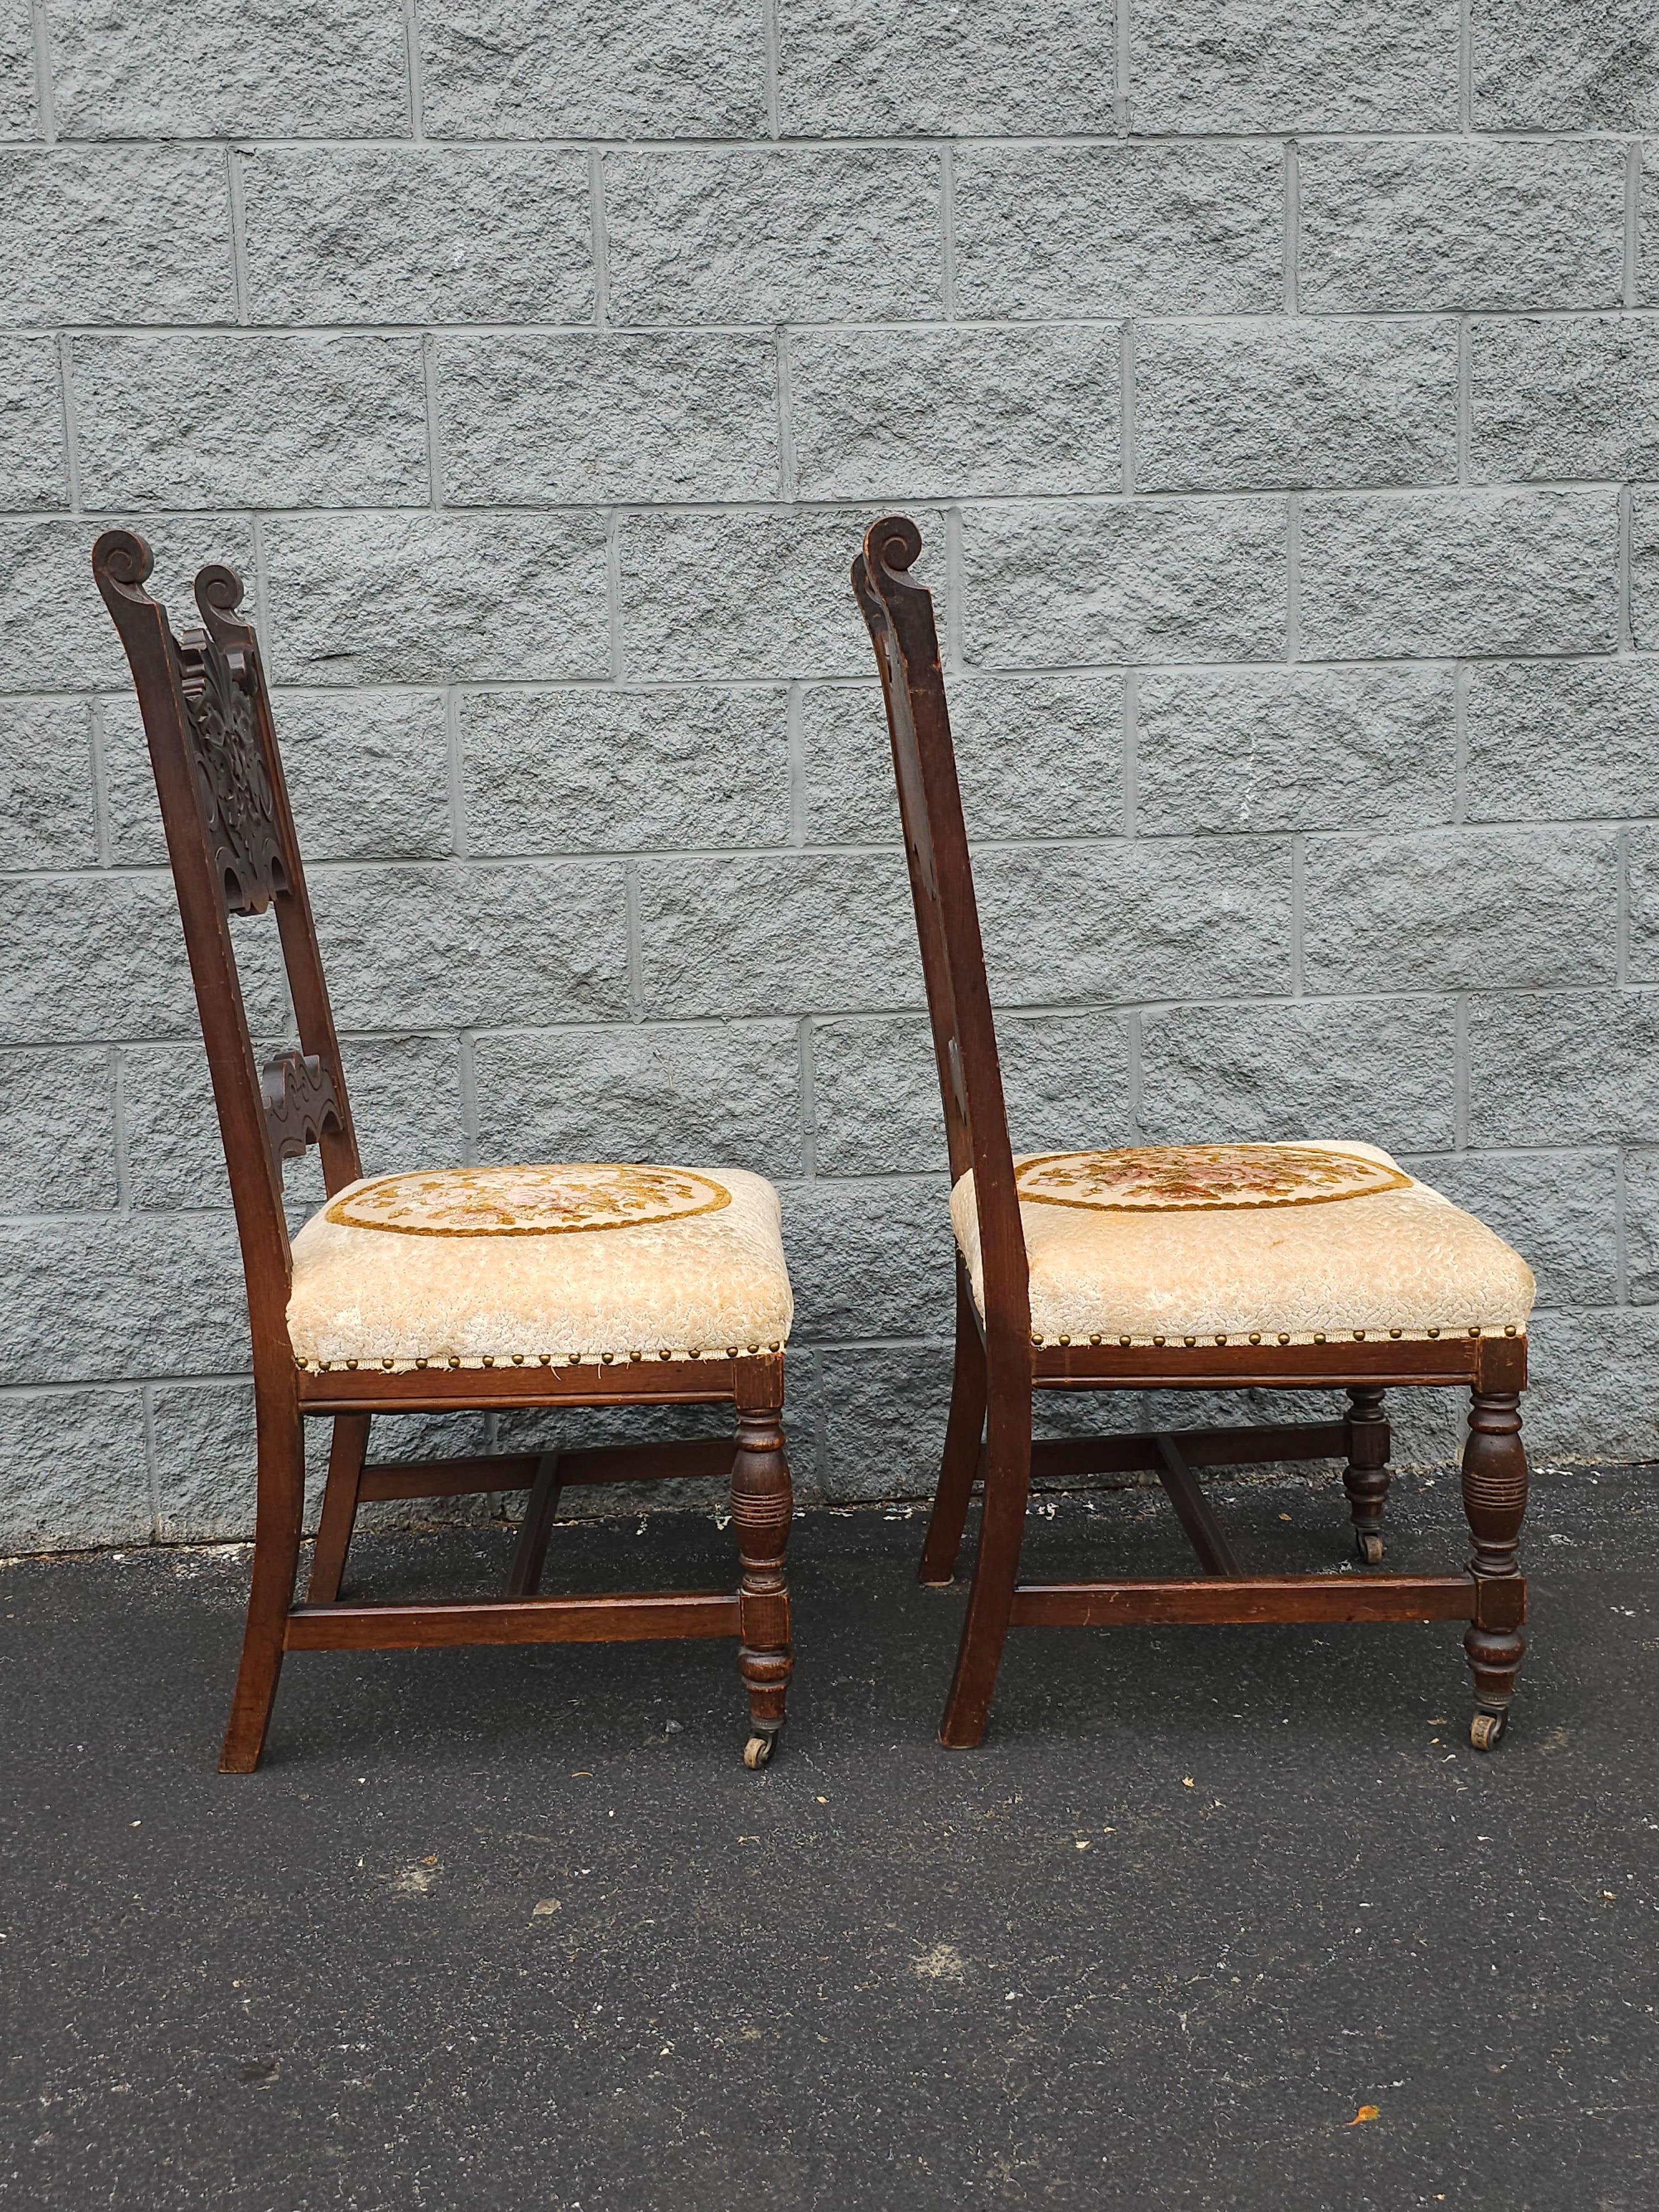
(1275, 384)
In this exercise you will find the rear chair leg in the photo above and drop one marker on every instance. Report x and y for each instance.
(275, 1556)
(991, 1603)
(1366, 1478)
(762, 1507)
(346, 1456)
(1495, 1501)
(963, 1453)
(524, 1573)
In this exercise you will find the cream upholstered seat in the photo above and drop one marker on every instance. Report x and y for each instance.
(476, 1266)
(1239, 1243)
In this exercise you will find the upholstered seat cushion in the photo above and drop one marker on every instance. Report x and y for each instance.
(1227, 1242)
(481, 1265)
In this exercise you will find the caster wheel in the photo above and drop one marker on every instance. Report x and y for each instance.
(1370, 1548)
(1487, 1730)
(758, 1750)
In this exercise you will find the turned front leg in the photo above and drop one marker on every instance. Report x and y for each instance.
(1495, 1501)
(762, 1507)
(1366, 1478)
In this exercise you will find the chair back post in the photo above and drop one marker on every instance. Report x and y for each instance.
(899, 613)
(231, 845)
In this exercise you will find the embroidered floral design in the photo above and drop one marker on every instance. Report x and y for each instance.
(528, 1201)
(1148, 1178)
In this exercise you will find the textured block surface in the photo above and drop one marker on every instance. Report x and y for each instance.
(1275, 383)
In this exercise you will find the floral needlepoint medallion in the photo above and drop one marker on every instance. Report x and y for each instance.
(528, 1201)
(1184, 1178)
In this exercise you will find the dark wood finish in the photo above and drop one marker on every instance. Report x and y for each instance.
(1068, 1458)
(233, 849)
(988, 1438)
(1234, 1599)
(611, 1617)
(342, 1495)
(1366, 1477)
(1193, 1511)
(524, 1575)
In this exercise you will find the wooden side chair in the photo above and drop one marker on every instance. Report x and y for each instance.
(1186, 1267)
(450, 1288)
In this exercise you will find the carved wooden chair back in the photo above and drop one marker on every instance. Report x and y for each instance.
(900, 616)
(231, 841)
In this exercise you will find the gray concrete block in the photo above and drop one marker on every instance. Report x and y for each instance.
(871, 1259)
(725, 1094)
(1295, 749)
(892, 68)
(1459, 572)
(91, 958)
(1020, 742)
(1236, 65)
(57, 634)
(57, 1130)
(1643, 906)
(1647, 229)
(34, 464)
(1559, 1211)
(1256, 406)
(1145, 581)
(405, 1102)
(20, 106)
(418, 234)
(1382, 1071)
(477, 946)
(835, 235)
(1644, 565)
(663, 68)
(125, 1296)
(367, 776)
(1549, 397)
(869, 1454)
(1461, 223)
(1070, 924)
(1461, 909)
(769, 934)
(1578, 1067)
(47, 815)
(73, 1474)
(1641, 1210)
(526, 418)
(205, 1461)
(713, 595)
(426, 598)
(881, 415)
(1559, 65)
(1579, 1404)
(585, 770)
(1554, 740)
(1119, 229)
(267, 421)
(78, 232)
(170, 71)
(1065, 1080)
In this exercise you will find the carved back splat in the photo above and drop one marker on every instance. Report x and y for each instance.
(231, 841)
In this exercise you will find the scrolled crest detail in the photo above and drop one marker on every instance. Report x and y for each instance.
(892, 544)
(237, 802)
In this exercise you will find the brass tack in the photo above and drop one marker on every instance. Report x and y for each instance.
(1395, 1333)
(423, 1363)
(1065, 1339)
(1359, 1336)
(1124, 1341)
(1284, 1337)
(1256, 1336)
(388, 1364)
(1221, 1340)
(1035, 1339)
(665, 1353)
(518, 1360)
(352, 1364)
(454, 1358)
(489, 1359)
(1434, 1332)
(606, 1357)
(1157, 1340)
(1509, 1329)
(1319, 1336)
(545, 1358)
(1474, 1332)
(1189, 1340)
(1094, 1339)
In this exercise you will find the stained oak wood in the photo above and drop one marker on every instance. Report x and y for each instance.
(998, 1366)
(610, 1616)
(232, 850)
(1231, 1599)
